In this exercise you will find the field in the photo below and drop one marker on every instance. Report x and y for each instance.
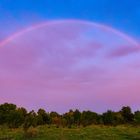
(86, 133)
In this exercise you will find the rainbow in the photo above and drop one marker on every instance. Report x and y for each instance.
(57, 22)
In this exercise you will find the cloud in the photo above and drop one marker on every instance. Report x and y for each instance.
(121, 51)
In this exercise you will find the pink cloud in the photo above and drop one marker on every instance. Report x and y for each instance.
(123, 51)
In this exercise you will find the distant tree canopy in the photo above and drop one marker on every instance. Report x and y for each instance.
(15, 117)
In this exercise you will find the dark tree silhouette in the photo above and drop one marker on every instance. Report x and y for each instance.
(127, 114)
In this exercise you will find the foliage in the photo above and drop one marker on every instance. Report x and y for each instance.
(127, 114)
(14, 117)
(137, 117)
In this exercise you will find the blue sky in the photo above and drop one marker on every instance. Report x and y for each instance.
(123, 15)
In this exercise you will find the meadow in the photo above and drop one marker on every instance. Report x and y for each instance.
(19, 124)
(93, 132)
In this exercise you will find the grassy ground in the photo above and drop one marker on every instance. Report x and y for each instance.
(87, 133)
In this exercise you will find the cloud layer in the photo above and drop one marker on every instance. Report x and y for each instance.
(70, 65)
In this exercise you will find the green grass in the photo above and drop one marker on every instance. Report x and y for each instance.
(87, 133)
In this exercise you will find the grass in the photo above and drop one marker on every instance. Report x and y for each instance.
(86, 133)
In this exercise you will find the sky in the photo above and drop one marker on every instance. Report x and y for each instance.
(59, 54)
(123, 15)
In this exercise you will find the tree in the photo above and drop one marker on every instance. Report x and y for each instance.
(30, 120)
(5, 110)
(77, 117)
(127, 114)
(69, 118)
(23, 111)
(15, 119)
(137, 117)
(109, 118)
(88, 118)
(55, 119)
(118, 118)
(43, 117)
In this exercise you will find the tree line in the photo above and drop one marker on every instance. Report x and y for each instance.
(14, 117)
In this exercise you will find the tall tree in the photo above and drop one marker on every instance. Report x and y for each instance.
(43, 116)
(127, 114)
(77, 117)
